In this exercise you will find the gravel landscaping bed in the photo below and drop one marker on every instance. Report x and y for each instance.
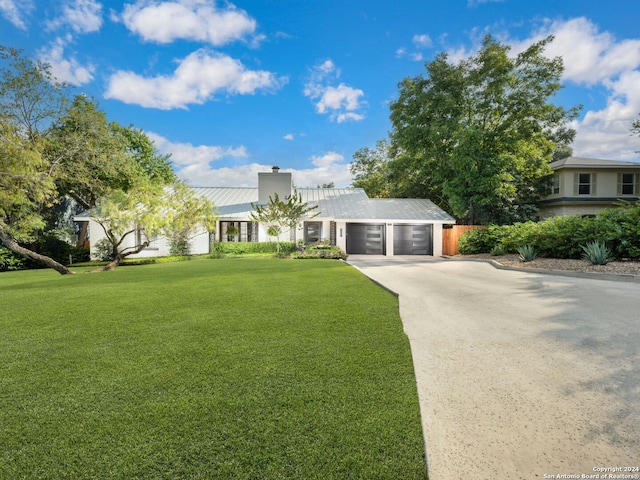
(512, 260)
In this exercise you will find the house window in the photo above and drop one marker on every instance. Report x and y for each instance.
(312, 232)
(555, 185)
(627, 184)
(584, 184)
(238, 232)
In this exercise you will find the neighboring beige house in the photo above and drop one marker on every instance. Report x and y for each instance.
(584, 186)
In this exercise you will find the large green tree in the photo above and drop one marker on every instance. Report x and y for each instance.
(53, 147)
(370, 170)
(30, 101)
(476, 136)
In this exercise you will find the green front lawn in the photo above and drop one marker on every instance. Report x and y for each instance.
(209, 369)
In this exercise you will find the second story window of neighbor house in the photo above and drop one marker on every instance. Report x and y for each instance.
(584, 184)
(555, 186)
(627, 183)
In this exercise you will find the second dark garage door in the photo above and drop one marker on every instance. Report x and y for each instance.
(413, 239)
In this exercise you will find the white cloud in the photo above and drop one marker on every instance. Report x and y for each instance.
(589, 56)
(605, 133)
(14, 11)
(474, 3)
(341, 102)
(198, 20)
(193, 162)
(195, 165)
(188, 154)
(329, 167)
(247, 175)
(200, 175)
(422, 41)
(593, 58)
(83, 16)
(288, 136)
(65, 69)
(415, 56)
(197, 78)
(327, 159)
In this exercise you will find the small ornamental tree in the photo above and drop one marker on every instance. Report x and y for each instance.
(279, 215)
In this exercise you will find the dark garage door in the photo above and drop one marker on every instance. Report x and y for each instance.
(365, 238)
(413, 239)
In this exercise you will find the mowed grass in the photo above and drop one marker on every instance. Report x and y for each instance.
(231, 368)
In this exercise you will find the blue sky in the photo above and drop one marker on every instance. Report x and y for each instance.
(230, 89)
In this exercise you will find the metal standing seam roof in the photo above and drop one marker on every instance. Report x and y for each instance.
(232, 202)
(333, 203)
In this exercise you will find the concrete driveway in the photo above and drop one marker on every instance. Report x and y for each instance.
(520, 375)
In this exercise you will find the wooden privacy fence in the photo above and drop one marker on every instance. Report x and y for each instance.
(451, 236)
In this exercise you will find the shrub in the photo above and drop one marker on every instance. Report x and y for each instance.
(563, 237)
(220, 249)
(9, 260)
(527, 253)
(321, 251)
(596, 253)
(620, 228)
(498, 250)
(103, 251)
(179, 244)
(480, 240)
(154, 260)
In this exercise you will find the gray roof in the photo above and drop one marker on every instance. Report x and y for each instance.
(582, 162)
(333, 203)
(232, 202)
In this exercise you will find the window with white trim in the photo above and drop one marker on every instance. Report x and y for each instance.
(555, 184)
(584, 184)
(628, 183)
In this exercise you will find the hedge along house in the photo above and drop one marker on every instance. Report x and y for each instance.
(584, 186)
(347, 217)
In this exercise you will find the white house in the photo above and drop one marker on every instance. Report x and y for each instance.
(347, 218)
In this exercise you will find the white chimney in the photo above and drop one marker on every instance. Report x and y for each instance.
(270, 183)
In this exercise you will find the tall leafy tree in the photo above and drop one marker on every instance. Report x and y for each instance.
(476, 136)
(88, 154)
(54, 147)
(25, 190)
(30, 101)
(370, 170)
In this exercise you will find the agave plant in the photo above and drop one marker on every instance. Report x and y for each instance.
(527, 253)
(596, 253)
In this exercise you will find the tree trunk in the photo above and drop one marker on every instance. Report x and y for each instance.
(112, 264)
(118, 257)
(25, 252)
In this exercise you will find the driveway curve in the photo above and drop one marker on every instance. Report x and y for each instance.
(520, 375)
